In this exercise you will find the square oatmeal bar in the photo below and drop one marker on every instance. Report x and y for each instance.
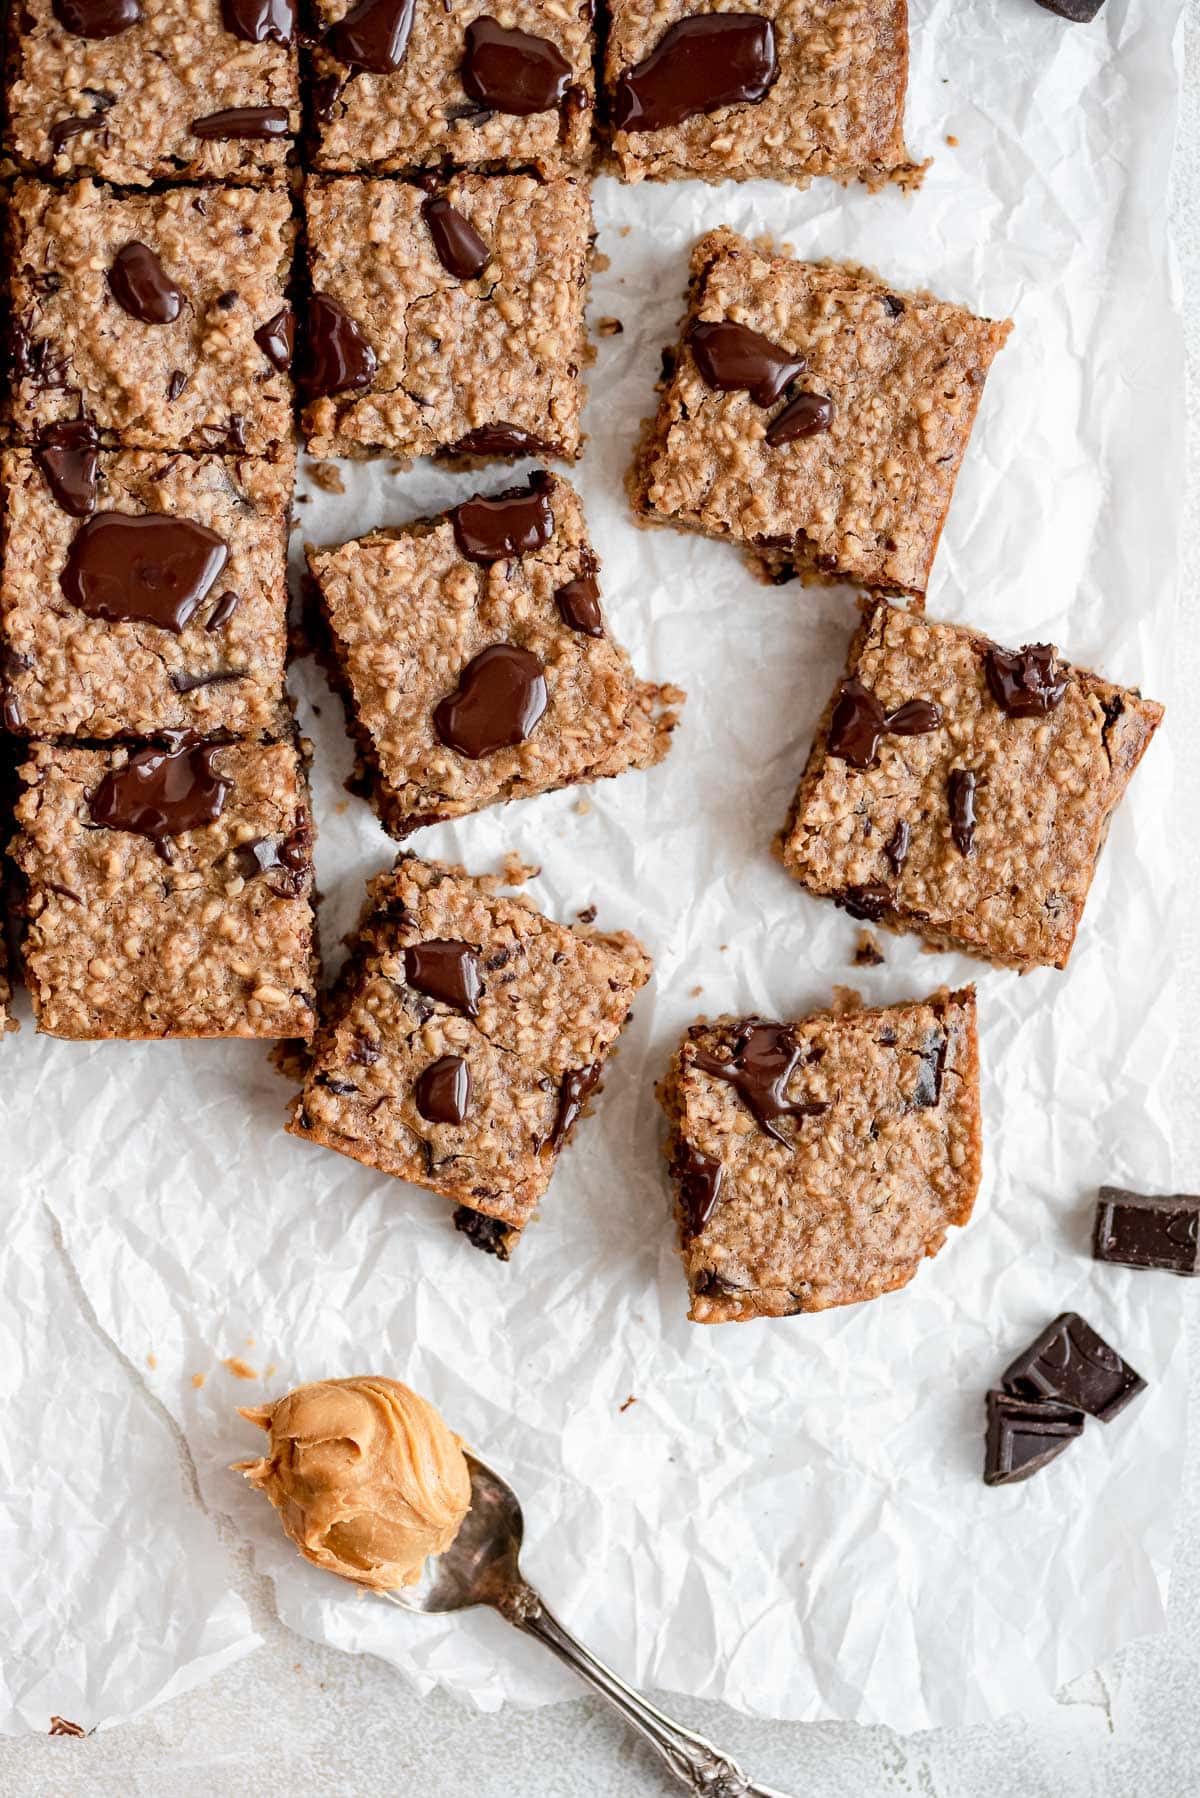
(463, 1041)
(817, 1163)
(814, 417)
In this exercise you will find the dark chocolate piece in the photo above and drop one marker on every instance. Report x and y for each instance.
(960, 792)
(447, 971)
(1025, 1435)
(698, 1180)
(260, 21)
(442, 1091)
(1071, 1363)
(284, 861)
(897, 847)
(512, 523)
(242, 121)
(575, 1088)
(336, 355)
(513, 71)
(732, 358)
(227, 604)
(277, 339)
(806, 416)
(500, 439)
(162, 792)
(1134, 1230)
(491, 1234)
(97, 18)
(460, 249)
(1026, 682)
(699, 64)
(141, 286)
(867, 903)
(147, 569)
(764, 1059)
(68, 454)
(373, 35)
(1077, 12)
(63, 131)
(859, 722)
(578, 603)
(500, 697)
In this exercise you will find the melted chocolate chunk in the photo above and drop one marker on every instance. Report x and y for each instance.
(1027, 682)
(915, 718)
(512, 523)
(859, 722)
(513, 71)
(574, 1090)
(928, 1089)
(227, 604)
(242, 121)
(764, 1059)
(162, 792)
(960, 790)
(460, 249)
(898, 846)
(260, 21)
(806, 416)
(1025, 1435)
(97, 18)
(491, 1234)
(447, 971)
(373, 35)
(1135, 1231)
(68, 455)
(699, 64)
(1069, 1362)
(277, 339)
(501, 439)
(285, 863)
(698, 1181)
(442, 1091)
(141, 286)
(191, 683)
(36, 360)
(866, 903)
(337, 357)
(500, 697)
(176, 384)
(148, 569)
(64, 131)
(732, 358)
(578, 603)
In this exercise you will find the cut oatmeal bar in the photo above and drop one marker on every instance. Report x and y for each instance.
(167, 890)
(464, 1039)
(964, 791)
(814, 417)
(475, 660)
(817, 1163)
(448, 321)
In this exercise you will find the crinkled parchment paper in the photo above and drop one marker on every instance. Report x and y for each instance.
(791, 1516)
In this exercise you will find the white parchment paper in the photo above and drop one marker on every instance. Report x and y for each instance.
(791, 1515)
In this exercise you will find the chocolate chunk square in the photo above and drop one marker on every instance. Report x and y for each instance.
(1136, 1231)
(964, 791)
(406, 84)
(159, 317)
(466, 1037)
(1024, 1435)
(143, 591)
(776, 91)
(136, 91)
(1071, 1363)
(476, 661)
(446, 323)
(166, 890)
(1078, 12)
(817, 1163)
(814, 417)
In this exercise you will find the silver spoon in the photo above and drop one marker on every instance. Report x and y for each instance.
(481, 1567)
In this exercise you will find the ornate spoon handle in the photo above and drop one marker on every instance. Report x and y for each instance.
(698, 1766)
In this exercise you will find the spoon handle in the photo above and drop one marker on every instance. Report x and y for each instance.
(698, 1766)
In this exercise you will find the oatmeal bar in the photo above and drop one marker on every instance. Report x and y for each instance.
(137, 91)
(964, 791)
(435, 84)
(448, 322)
(167, 890)
(817, 1163)
(814, 416)
(476, 662)
(161, 317)
(787, 91)
(142, 591)
(463, 1041)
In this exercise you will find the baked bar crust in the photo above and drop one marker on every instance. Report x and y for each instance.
(835, 106)
(125, 107)
(454, 356)
(862, 498)
(876, 1152)
(217, 668)
(201, 932)
(194, 377)
(408, 615)
(535, 1014)
(1043, 789)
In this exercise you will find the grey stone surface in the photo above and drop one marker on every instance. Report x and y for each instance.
(295, 1717)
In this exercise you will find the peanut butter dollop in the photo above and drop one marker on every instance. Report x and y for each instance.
(366, 1477)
